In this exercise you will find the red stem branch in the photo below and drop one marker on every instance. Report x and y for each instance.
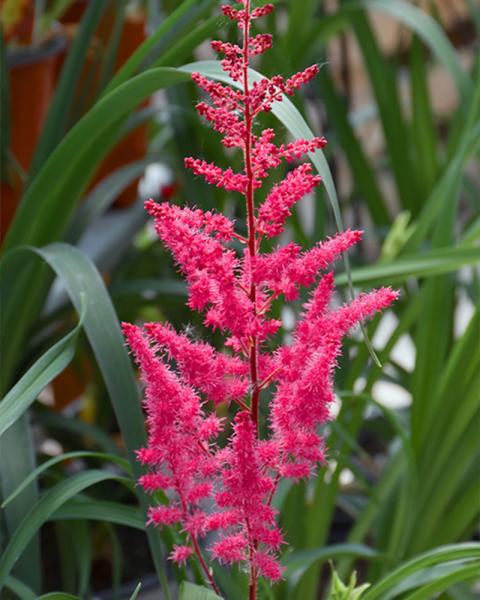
(204, 565)
(252, 247)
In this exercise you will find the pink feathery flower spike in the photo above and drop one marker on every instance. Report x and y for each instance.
(224, 489)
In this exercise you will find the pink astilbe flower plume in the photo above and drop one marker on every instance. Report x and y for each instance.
(220, 475)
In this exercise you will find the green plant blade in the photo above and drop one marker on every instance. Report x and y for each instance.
(56, 121)
(46, 368)
(426, 264)
(41, 511)
(436, 556)
(300, 561)
(189, 591)
(98, 510)
(141, 53)
(425, 577)
(121, 462)
(58, 596)
(136, 592)
(430, 590)
(87, 433)
(20, 589)
(17, 461)
(103, 196)
(31, 228)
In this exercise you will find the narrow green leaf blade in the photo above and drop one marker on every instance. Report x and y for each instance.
(121, 462)
(43, 509)
(300, 561)
(46, 368)
(189, 591)
(100, 510)
(438, 555)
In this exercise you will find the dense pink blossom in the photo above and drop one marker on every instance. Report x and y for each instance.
(220, 474)
(273, 213)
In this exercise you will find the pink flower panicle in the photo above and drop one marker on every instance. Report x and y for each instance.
(225, 489)
(275, 210)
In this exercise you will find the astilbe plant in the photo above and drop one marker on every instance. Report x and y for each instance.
(228, 488)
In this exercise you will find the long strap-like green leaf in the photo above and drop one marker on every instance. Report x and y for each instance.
(46, 368)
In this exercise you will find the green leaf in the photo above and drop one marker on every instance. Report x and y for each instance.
(17, 461)
(340, 591)
(463, 573)
(87, 433)
(20, 589)
(299, 562)
(423, 125)
(425, 577)
(56, 121)
(136, 592)
(46, 368)
(103, 196)
(121, 462)
(426, 264)
(382, 78)
(58, 596)
(189, 591)
(40, 222)
(141, 53)
(363, 173)
(99, 510)
(40, 512)
(433, 557)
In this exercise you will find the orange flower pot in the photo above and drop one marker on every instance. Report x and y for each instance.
(31, 79)
(9, 197)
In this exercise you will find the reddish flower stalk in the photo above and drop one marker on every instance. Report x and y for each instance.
(227, 491)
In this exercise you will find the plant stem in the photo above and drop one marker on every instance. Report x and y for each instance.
(252, 248)
(250, 210)
(204, 565)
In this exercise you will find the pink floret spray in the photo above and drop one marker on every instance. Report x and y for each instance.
(225, 490)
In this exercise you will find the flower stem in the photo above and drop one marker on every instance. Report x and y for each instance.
(204, 566)
(252, 246)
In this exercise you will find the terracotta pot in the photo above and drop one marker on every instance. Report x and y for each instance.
(31, 79)
(9, 198)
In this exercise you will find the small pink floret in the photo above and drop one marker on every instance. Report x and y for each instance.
(180, 554)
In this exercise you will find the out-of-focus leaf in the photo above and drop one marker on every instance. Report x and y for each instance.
(46, 368)
(299, 562)
(121, 462)
(443, 554)
(189, 591)
(426, 264)
(43, 509)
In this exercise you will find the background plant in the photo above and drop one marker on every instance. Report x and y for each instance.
(430, 155)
